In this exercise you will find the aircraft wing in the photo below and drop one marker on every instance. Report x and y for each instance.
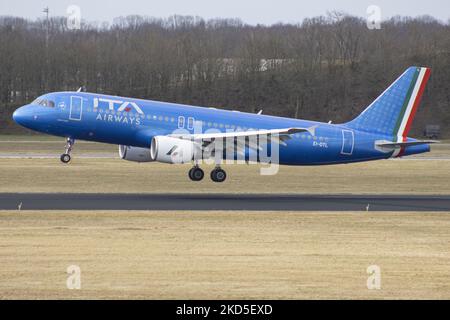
(234, 134)
(403, 144)
(207, 141)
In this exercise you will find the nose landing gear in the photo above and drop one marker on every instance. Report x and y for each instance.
(65, 157)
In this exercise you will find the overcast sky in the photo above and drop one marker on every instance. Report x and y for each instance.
(250, 11)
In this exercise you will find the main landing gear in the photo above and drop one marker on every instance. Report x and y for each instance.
(196, 174)
(65, 157)
(217, 175)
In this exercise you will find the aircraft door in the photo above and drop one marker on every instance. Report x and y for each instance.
(76, 108)
(348, 142)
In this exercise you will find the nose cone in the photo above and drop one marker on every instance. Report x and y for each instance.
(16, 116)
(23, 116)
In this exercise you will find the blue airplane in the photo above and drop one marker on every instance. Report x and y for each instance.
(173, 133)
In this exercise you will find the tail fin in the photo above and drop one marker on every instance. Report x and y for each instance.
(392, 113)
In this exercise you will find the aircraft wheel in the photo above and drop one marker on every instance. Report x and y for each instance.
(196, 174)
(218, 175)
(65, 158)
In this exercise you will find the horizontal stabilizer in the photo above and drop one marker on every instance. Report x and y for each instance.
(388, 144)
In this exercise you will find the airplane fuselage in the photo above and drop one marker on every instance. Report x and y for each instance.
(134, 122)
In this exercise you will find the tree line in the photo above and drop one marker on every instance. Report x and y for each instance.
(324, 68)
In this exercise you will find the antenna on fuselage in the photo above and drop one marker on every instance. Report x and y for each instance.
(82, 89)
(260, 112)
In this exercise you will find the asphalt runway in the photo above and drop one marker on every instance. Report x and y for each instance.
(227, 202)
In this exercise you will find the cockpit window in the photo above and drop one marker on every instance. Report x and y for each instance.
(44, 102)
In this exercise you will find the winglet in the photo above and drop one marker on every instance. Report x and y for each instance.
(312, 130)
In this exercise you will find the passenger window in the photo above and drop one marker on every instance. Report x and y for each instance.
(181, 122)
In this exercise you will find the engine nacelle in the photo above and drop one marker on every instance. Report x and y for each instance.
(171, 150)
(134, 154)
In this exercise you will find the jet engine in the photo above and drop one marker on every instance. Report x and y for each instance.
(134, 154)
(171, 150)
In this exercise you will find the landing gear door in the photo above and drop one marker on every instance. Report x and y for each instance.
(76, 108)
(348, 142)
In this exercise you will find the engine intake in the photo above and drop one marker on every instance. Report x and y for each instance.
(171, 150)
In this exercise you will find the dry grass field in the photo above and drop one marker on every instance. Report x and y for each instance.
(26, 147)
(118, 176)
(222, 255)
(43, 144)
(115, 175)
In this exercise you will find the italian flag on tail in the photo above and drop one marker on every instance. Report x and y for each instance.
(410, 106)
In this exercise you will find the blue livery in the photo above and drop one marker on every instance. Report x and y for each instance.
(173, 133)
